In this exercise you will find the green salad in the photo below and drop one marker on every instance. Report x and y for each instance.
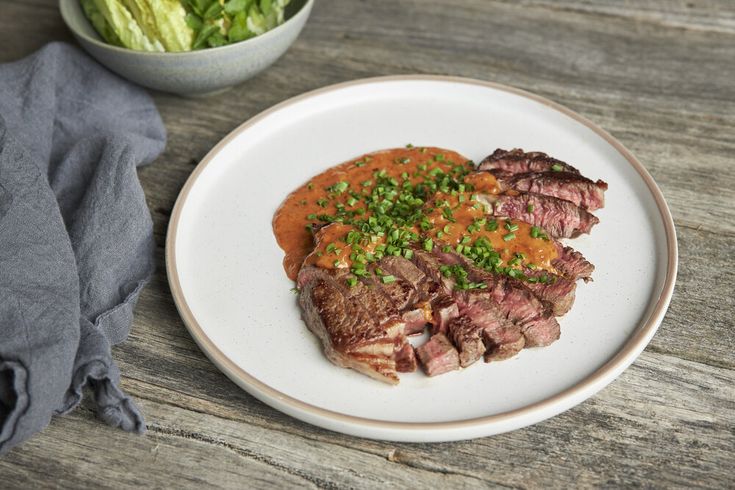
(181, 25)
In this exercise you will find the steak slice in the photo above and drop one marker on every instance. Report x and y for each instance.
(401, 294)
(572, 264)
(568, 186)
(517, 161)
(558, 293)
(358, 327)
(426, 287)
(466, 335)
(406, 359)
(560, 218)
(443, 305)
(408, 292)
(438, 355)
(429, 263)
(483, 326)
(444, 309)
(516, 303)
(503, 344)
(417, 318)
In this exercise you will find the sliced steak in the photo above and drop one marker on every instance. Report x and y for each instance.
(558, 293)
(358, 327)
(407, 296)
(406, 359)
(400, 293)
(438, 355)
(443, 305)
(569, 186)
(429, 264)
(466, 335)
(560, 218)
(426, 287)
(516, 303)
(503, 344)
(444, 309)
(417, 319)
(517, 161)
(495, 329)
(572, 264)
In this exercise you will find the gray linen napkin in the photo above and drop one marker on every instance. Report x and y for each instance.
(76, 243)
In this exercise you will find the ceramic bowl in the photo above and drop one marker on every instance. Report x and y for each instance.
(190, 73)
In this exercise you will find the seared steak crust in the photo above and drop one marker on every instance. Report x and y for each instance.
(357, 326)
(517, 161)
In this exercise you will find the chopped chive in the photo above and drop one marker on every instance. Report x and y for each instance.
(351, 281)
(557, 168)
(388, 279)
(509, 237)
(339, 187)
(529, 208)
(510, 226)
(428, 244)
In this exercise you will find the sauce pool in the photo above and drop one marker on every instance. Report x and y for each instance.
(346, 189)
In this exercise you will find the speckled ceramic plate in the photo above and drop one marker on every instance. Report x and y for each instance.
(224, 265)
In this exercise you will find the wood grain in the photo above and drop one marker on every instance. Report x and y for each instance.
(657, 74)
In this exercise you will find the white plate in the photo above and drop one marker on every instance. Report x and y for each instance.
(224, 265)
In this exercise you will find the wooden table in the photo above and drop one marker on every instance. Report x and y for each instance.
(658, 74)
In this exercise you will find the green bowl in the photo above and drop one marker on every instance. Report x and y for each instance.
(190, 73)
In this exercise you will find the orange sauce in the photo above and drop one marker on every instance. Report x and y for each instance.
(343, 186)
(291, 218)
(466, 213)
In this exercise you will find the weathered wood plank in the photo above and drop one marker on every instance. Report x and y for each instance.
(676, 433)
(707, 15)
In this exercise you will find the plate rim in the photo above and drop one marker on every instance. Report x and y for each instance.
(529, 414)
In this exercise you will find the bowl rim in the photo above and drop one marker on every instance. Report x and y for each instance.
(303, 11)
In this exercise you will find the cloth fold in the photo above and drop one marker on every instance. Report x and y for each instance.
(76, 240)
